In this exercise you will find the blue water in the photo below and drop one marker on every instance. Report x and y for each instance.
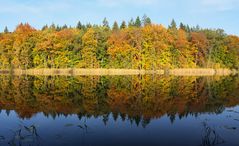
(203, 127)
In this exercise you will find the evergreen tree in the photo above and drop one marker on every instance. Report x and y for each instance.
(131, 23)
(138, 22)
(182, 26)
(197, 28)
(64, 26)
(79, 25)
(88, 25)
(44, 27)
(6, 30)
(146, 20)
(58, 28)
(123, 25)
(188, 28)
(53, 26)
(115, 26)
(173, 25)
(106, 23)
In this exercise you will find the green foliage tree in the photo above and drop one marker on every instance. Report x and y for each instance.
(123, 25)
(146, 20)
(53, 26)
(138, 22)
(173, 25)
(106, 24)
(79, 25)
(102, 46)
(131, 23)
(64, 26)
(44, 27)
(182, 26)
(6, 30)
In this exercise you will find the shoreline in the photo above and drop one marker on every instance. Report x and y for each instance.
(102, 72)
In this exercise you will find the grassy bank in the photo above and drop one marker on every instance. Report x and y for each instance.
(76, 72)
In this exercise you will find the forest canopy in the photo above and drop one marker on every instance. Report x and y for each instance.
(138, 44)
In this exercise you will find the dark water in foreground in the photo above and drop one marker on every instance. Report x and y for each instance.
(119, 110)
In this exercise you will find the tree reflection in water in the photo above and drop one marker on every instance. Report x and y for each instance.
(138, 98)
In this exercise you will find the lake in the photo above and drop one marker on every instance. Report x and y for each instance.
(119, 110)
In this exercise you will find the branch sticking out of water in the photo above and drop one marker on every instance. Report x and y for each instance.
(210, 137)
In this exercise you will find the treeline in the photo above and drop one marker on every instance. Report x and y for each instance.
(138, 44)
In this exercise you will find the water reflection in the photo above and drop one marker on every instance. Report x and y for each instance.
(137, 97)
(137, 100)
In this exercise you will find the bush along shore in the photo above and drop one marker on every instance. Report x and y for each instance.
(101, 72)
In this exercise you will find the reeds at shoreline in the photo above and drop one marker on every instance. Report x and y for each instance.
(100, 71)
(201, 72)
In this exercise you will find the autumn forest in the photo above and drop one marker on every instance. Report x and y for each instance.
(137, 44)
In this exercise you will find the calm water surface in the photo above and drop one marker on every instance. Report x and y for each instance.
(119, 110)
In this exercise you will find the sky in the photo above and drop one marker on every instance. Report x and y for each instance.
(205, 13)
